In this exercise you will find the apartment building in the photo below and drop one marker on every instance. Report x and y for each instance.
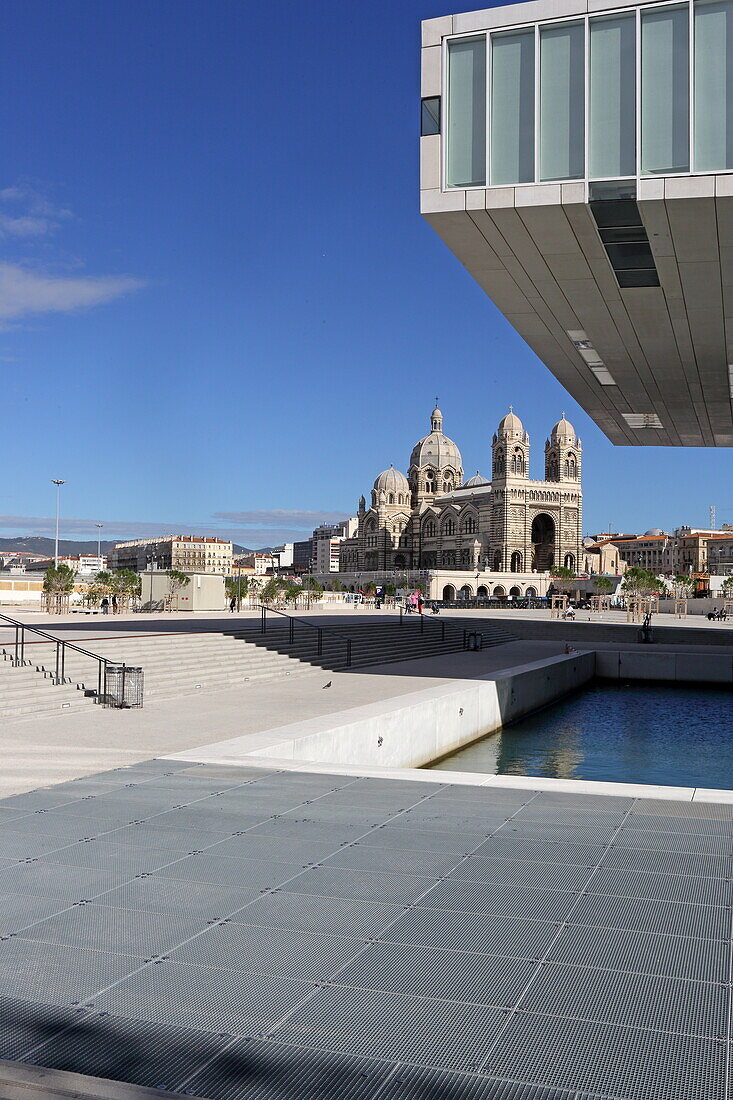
(187, 553)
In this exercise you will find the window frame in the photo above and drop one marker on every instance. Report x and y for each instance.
(584, 19)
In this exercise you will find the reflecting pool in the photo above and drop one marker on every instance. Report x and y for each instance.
(637, 733)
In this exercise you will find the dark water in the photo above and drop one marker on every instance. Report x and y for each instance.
(676, 735)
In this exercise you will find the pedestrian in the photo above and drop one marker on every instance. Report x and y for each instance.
(114, 605)
(105, 606)
(232, 603)
(419, 602)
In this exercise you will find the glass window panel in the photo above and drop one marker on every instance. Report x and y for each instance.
(562, 96)
(466, 161)
(713, 85)
(512, 108)
(665, 110)
(612, 107)
(430, 116)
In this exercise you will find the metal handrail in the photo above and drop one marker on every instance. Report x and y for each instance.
(292, 619)
(59, 676)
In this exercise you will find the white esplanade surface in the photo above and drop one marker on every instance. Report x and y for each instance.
(577, 158)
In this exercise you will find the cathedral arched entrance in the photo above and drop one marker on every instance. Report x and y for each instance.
(466, 593)
(499, 592)
(483, 592)
(543, 542)
(515, 592)
(399, 562)
(449, 592)
(531, 593)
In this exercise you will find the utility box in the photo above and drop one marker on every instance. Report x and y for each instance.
(203, 592)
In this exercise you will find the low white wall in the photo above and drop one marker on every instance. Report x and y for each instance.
(650, 664)
(417, 729)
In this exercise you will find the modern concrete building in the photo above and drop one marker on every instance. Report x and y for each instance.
(577, 158)
(188, 553)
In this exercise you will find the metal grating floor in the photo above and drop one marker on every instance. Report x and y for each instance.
(244, 934)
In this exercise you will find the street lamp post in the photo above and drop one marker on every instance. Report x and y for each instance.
(58, 482)
(99, 527)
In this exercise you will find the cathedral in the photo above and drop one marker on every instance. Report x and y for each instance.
(433, 519)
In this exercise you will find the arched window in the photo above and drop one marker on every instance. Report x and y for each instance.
(468, 527)
(391, 498)
(499, 462)
(518, 463)
(516, 562)
(449, 527)
(569, 562)
(429, 529)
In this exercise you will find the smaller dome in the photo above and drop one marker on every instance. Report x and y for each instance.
(391, 481)
(653, 532)
(563, 427)
(476, 482)
(511, 422)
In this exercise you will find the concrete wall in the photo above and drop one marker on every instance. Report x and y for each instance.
(420, 728)
(646, 663)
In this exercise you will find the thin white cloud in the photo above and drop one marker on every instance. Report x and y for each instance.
(278, 517)
(120, 530)
(24, 293)
(24, 226)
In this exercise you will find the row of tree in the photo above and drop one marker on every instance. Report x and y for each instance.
(641, 582)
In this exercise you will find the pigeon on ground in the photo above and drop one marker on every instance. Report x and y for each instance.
(328, 684)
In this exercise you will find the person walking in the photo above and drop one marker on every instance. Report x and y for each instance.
(105, 606)
(419, 603)
(232, 603)
(114, 605)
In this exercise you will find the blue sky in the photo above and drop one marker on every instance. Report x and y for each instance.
(220, 310)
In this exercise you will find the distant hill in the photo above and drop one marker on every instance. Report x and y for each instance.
(44, 547)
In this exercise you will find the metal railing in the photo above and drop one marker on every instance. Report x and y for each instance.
(58, 676)
(292, 620)
(432, 624)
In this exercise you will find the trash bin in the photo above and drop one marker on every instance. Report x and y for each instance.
(475, 640)
(124, 684)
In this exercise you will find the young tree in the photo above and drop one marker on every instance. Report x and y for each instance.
(640, 582)
(58, 584)
(270, 590)
(727, 588)
(176, 581)
(603, 585)
(681, 585)
(126, 585)
(237, 588)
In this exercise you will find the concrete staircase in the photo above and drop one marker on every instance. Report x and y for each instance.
(182, 663)
(173, 665)
(178, 664)
(25, 692)
(374, 639)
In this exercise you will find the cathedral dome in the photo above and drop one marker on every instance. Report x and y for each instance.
(511, 422)
(476, 482)
(436, 449)
(391, 481)
(653, 532)
(563, 428)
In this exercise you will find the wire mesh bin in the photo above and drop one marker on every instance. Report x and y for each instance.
(124, 686)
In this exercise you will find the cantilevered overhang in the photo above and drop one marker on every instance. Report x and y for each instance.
(649, 364)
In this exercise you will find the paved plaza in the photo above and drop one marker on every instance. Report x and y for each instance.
(229, 932)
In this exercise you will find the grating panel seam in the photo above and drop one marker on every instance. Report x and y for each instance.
(147, 965)
(334, 976)
(538, 969)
